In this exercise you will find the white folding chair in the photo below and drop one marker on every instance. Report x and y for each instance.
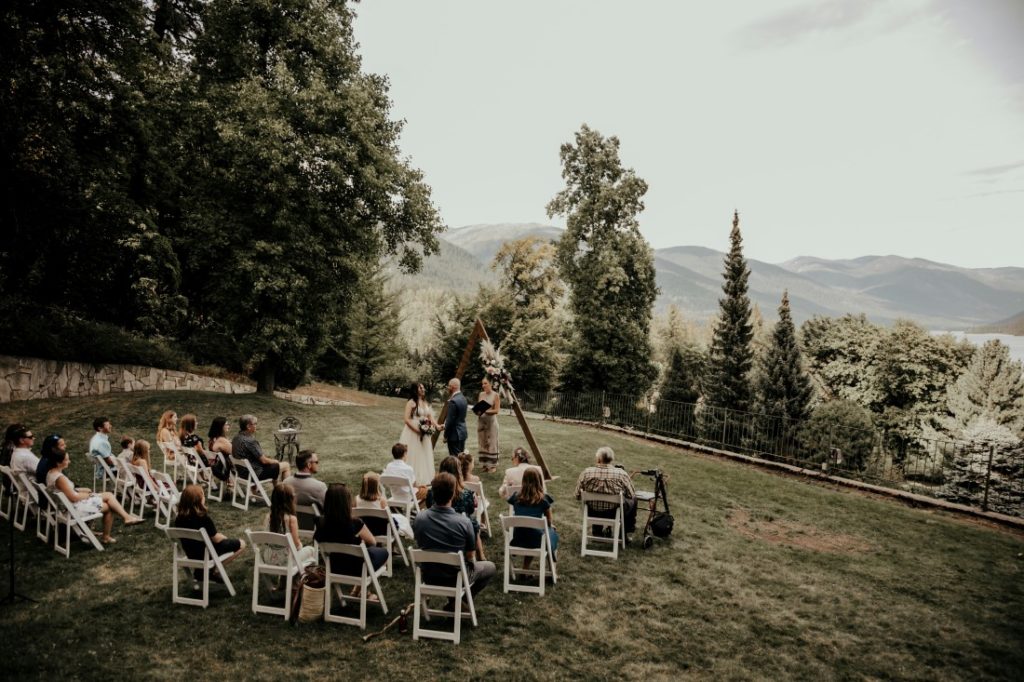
(273, 544)
(393, 483)
(24, 502)
(307, 515)
(137, 492)
(543, 555)
(248, 484)
(390, 538)
(618, 528)
(102, 473)
(480, 513)
(170, 453)
(196, 469)
(367, 577)
(66, 515)
(157, 488)
(124, 484)
(218, 494)
(509, 492)
(181, 563)
(7, 493)
(44, 510)
(457, 592)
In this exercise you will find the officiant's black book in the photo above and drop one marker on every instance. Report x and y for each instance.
(481, 407)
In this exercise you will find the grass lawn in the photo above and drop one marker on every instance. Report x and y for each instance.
(764, 577)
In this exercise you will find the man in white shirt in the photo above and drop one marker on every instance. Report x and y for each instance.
(22, 459)
(99, 444)
(514, 475)
(399, 467)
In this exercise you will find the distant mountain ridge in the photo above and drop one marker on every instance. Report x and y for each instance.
(885, 288)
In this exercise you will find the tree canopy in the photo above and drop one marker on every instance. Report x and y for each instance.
(608, 267)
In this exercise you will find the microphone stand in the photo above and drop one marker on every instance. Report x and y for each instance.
(13, 596)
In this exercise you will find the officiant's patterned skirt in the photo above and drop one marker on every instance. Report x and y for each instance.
(487, 438)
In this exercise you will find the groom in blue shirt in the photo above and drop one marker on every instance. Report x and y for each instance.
(455, 419)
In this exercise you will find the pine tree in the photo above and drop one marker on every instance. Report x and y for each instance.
(731, 355)
(783, 388)
(992, 387)
(684, 375)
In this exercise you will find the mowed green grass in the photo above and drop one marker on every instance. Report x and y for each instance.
(861, 587)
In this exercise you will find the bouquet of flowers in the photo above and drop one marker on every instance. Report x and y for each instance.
(494, 369)
(426, 428)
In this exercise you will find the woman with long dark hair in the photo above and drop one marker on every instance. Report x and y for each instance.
(219, 445)
(337, 525)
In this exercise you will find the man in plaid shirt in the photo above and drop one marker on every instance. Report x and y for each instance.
(606, 478)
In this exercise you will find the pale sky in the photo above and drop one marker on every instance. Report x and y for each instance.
(839, 128)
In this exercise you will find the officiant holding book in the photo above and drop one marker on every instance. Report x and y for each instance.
(486, 409)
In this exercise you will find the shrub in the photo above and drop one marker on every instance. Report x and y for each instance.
(838, 424)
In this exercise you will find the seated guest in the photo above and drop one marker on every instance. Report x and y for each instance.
(307, 488)
(218, 444)
(23, 461)
(399, 467)
(514, 474)
(99, 444)
(127, 448)
(466, 467)
(140, 458)
(192, 514)
(371, 496)
(166, 429)
(442, 529)
(85, 500)
(53, 449)
(337, 525)
(189, 438)
(606, 478)
(10, 443)
(464, 501)
(282, 520)
(533, 501)
(245, 446)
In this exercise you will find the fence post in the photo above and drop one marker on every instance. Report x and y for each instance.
(988, 475)
(602, 407)
(725, 423)
(647, 404)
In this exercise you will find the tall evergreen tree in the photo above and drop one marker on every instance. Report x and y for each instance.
(784, 388)
(608, 266)
(731, 355)
(684, 375)
(992, 388)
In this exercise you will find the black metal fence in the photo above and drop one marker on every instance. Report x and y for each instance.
(978, 474)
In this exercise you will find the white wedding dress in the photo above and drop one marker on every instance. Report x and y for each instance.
(421, 450)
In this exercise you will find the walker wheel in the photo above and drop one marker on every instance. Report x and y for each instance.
(648, 541)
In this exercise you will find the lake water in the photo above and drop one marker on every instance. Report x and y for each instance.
(1014, 343)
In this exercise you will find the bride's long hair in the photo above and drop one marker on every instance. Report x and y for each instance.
(414, 392)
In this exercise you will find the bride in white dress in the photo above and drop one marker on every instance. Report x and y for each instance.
(421, 447)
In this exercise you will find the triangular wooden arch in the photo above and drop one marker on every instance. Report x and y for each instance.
(480, 333)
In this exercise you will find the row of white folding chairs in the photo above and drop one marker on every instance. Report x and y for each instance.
(55, 514)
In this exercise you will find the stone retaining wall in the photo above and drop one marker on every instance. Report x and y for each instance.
(34, 379)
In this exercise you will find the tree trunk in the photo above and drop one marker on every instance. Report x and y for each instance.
(265, 378)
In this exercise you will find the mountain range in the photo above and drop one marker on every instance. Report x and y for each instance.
(885, 288)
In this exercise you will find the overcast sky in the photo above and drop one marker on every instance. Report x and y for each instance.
(837, 128)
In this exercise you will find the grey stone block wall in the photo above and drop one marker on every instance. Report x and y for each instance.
(35, 379)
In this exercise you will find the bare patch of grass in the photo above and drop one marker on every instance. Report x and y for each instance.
(768, 528)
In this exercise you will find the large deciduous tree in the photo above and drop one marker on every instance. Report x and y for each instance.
(608, 266)
(298, 183)
(731, 355)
